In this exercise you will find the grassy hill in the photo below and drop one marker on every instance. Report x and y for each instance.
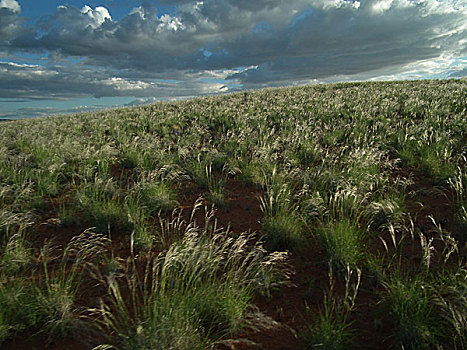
(318, 217)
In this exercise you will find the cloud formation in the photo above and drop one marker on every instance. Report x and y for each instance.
(11, 5)
(245, 43)
(9, 20)
(35, 82)
(371, 36)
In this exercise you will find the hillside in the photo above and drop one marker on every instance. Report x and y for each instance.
(317, 217)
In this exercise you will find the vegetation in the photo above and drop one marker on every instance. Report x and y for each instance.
(325, 216)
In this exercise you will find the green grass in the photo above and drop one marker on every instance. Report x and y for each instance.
(282, 225)
(57, 296)
(332, 328)
(345, 171)
(331, 331)
(414, 316)
(459, 184)
(343, 243)
(450, 301)
(18, 308)
(181, 301)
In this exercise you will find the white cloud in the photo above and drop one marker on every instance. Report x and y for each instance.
(170, 23)
(443, 65)
(11, 5)
(97, 16)
(121, 84)
(382, 6)
(35, 82)
(27, 71)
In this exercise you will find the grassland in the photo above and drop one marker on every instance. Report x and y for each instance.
(318, 217)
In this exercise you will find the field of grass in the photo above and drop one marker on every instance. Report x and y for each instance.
(317, 217)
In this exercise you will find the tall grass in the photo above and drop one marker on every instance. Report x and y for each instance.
(57, 299)
(196, 293)
(459, 184)
(282, 225)
(334, 164)
(332, 328)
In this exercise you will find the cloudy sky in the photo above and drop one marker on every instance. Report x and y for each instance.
(65, 56)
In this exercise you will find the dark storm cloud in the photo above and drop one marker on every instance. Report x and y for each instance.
(280, 41)
(10, 23)
(367, 38)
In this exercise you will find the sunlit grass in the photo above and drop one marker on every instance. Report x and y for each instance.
(335, 167)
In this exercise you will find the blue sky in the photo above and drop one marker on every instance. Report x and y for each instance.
(76, 55)
(34, 9)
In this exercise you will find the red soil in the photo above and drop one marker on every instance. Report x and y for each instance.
(288, 306)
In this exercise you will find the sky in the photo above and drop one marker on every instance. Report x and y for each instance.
(77, 55)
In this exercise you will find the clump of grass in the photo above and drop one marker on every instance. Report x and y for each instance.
(308, 152)
(155, 196)
(142, 235)
(18, 195)
(450, 300)
(216, 186)
(215, 180)
(283, 232)
(173, 229)
(339, 226)
(252, 173)
(415, 321)
(197, 170)
(18, 300)
(13, 223)
(183, 301)
(332, 330)
(342, 241)
(18, 307)
(347, 204)
(281, 225)
(207, 176)
(431, 152)
(386, 211)
(56, 301)
(100, 204)
(459, 184)
(427, 308)
(68, 215)
(16, 256)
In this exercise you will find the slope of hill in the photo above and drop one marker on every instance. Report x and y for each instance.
(327, 216)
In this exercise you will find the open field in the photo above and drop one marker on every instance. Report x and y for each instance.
(320, 217)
